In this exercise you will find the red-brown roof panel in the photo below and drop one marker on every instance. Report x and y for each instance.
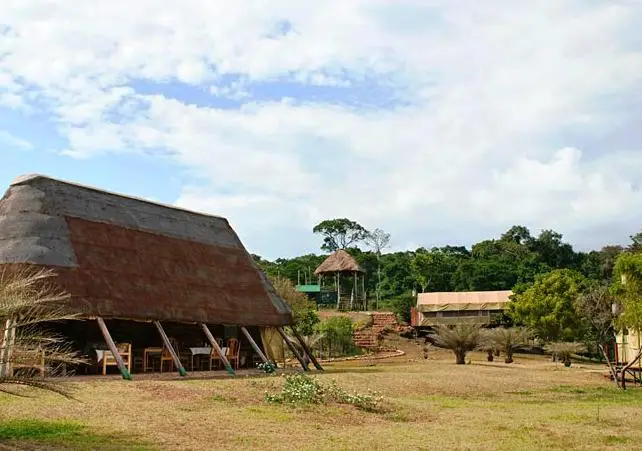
(126, 258)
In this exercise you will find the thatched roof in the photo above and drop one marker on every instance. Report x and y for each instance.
(122, 257)
(340, 261)
(463, 300)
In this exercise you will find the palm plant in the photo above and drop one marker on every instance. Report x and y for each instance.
(312, 342)
(507, 340)
(565, 350)
(460, 339)
(28, 300)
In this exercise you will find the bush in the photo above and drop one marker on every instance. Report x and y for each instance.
(301, 389)
(363, 323)
(401, 307)
(303, 309)
(298, 388)
(337, 336)
(267, 367)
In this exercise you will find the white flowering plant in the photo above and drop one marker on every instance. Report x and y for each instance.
(303, 389)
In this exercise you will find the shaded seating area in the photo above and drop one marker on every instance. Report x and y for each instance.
(142, 349)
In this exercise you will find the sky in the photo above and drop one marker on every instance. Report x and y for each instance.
(441, 122)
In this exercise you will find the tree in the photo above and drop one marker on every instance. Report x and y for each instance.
(433, 270)
(627, 288)
(340, 233)
(29, 300)
(518, 234)
(595, 306)
(303, 309)
(552, 251)
(636, 245)
(548, 305)
(507, 340)
(460, 339)
(378, 240)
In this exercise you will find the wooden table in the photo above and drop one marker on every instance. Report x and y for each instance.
(148, 352)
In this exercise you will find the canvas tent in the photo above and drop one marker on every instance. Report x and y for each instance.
(128, 259)
(459, 307)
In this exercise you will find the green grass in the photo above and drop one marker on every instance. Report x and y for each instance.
(71, 434)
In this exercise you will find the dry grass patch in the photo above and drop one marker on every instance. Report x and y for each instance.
(434, 404)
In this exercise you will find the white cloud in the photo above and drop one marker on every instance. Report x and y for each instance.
(10, 140)
(482, 93)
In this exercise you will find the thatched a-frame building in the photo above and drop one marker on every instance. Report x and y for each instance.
(127, 259)
(340, 264)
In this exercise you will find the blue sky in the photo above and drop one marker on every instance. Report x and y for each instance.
(441, 123)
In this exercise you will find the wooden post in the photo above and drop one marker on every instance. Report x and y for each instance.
(307, 350)
(112, 347)
(4, 349)
(254, 345)
(217, 348)
(171, 349)
(338, 290)
(10, 348)
(293, 349)
(363, 292)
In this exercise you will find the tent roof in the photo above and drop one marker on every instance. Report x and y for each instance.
(339, 261)
(130, 258)
(463, 300)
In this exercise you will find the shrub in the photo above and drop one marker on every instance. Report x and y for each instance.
(301, 389)
(565, 350)
(298, 388)
(267, 367)
(363, 323)
(337, 336)
(303, 309)
(507, 340)
(460, 339)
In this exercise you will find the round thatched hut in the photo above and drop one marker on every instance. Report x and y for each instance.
(341, 265)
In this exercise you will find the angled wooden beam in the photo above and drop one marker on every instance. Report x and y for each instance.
(217, 348)
(256, 347)
(5, 353)
(170, 348)
(112, 347)
(305, 347)
(293, 349)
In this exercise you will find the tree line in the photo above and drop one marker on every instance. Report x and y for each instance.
(510, 261)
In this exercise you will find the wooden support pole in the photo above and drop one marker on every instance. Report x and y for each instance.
(10, 348)
(170, 348)
(293, 349)
(307, 350)
(338, 291)
(254, 344)
(4, 350)
(112, 347)
(217, 348)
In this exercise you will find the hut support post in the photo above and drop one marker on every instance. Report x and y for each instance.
(217, 348)
(170, 348)
(112, 347)
(307, 350)
(256, 347)
(338, 291)
(293, 349)
(5, 351)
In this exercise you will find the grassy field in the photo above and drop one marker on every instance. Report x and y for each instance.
(433, 404)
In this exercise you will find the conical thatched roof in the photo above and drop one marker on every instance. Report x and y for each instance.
(340, 261)
(127, 258)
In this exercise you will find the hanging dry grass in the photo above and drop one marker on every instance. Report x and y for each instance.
(28, 301)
